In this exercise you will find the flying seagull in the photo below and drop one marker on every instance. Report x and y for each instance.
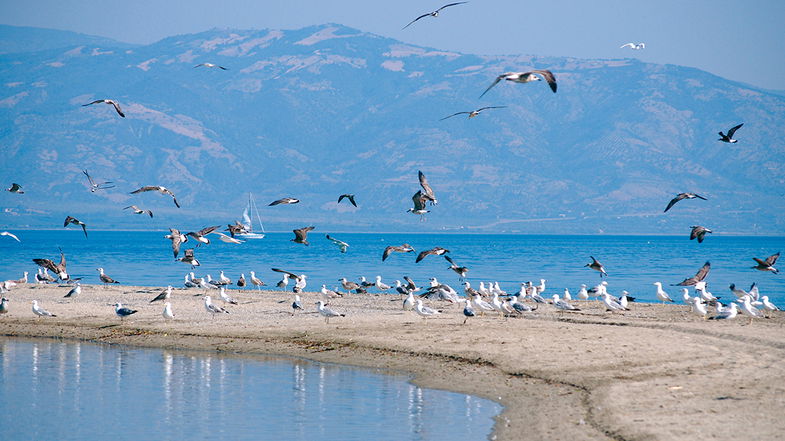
(112, 102)
(210, 65)
(284, 201)
(525, 77)
(201, 235)
(301, 235)
(160, 189)
(97, 185)
(15, 188)
(473, 113)
(436, 251)
(681, 196)
(428, 191)
(698, 232)
(138, 210)
(460, 270)
(75, 221)
(768, 264)
(405, 248)
(634, 46)
(228, 239)
(177, 238)
(597, 266)
(58, 269)
(350, 197)
(729, 136)
(698, 277)
(188, 257)
(433, 14)
(341, 244)
(6, 233)
(419, 200)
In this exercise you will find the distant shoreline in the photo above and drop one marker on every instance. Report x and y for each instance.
(584, 375)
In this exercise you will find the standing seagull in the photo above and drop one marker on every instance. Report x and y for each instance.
(349, 197)
(698, 232)
(424, 311)
(210, 65)
(341, 244)
(122, 311)
(661, 294)
(167, 312)
(405, 248)
(212, 308)
(97, 185)
(729, 136)
(41, 312)
(681, 196)
(698, 277)
(257, 282)
(301, 235)
(138, 210)
(436, 251)
(284, 201)
(4, 306)
(768, 264)
(6, 233)
(296, 304)
(526, 77)
(432, 14)
(158, 188)
(15, 188)
(75, 221)
(473, 113)
(634, 46)
(165, 294)
(104, 278)
(112, 102)
(597, 266)
(327, 312)
(75, 291)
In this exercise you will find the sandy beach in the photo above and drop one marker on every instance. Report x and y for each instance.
(653, 373)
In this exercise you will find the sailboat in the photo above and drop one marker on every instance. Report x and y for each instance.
(248, 230)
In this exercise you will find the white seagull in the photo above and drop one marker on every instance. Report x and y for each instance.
(167, 312)
(424, 311)
(212, 308)
(661, 294)
(327, 312)
(526, 77)
(633, 46)
(41, 312)
(122, 311)
(11, 235)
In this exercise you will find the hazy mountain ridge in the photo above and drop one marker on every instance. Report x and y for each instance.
(324, 110)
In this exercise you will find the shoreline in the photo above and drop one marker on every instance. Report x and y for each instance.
(655, 372)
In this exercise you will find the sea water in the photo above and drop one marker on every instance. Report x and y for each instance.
(83, 391)
(633, 263)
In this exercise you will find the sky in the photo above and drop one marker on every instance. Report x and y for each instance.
(738, 40)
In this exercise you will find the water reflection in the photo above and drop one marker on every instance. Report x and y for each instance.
(179, 395)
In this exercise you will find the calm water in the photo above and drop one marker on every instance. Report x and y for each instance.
(633, 262)
(79, 391)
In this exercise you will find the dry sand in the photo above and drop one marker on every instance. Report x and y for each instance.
(655, 372)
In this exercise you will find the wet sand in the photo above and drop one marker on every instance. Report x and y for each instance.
(653, 373)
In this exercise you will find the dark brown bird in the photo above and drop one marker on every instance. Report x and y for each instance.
(58, 269)
(460, 270)
(698, 277)
(15, 188)
(301, 235)
(112, 102)
(437, 251)
(177, 238)
(75, 221)
(597, 266)
(698, 232)
(768, 264)
(188, 257)
(350, 197)
(427, 190)
(405, 248)
(729, 136)
(160, 189)
(682, 196)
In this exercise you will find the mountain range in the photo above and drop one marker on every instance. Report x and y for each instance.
(317, 112)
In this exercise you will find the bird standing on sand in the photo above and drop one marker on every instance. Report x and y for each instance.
(160, 189)
(212, 308)
(105, 101)
(661, 294)
(301, 235)
(104, 278)
(164, 295)
(768, 264)
(424, 311)
(680, 197)
(597, 266)
(241, 281)
(349, 197)
(167, 312)
(75, 291)
(698, 232)
(468, 311)
(15, 188)
(75, 221)
(4, 306)
(257, 282)
(226, 297)
(326, 312)
(296, 304)
(729, 137)
(122, 311)
(58, 269)
(526, 77)
(433, 13)
(41, 312)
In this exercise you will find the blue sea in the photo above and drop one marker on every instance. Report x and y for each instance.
(633, 263)
(81, 391)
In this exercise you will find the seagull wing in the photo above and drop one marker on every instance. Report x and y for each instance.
(694, 233)
(412, 22)
(630, 45)
(46, 263)
(448, 259)
(94, 102)
(419, 200)
(92, 183)
(674, 200)
(145, 188)
(425, 186)
(771, 260)
(423, 255)
(490, 107)
(699, 276)
(290, 274)
(117, 108)
(68, 220)
(455, 114)
(6, 233)
(733, 130)
(302, 233)
(450, 4)
(208, 230)
(495, 82)
(387, 252)
(279, 201)
(548, 77)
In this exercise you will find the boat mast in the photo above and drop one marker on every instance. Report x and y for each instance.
(255, 210)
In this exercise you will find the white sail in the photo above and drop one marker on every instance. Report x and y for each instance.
(246, 219)
(248, 224)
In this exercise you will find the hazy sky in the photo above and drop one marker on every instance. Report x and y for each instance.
(740, 40)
